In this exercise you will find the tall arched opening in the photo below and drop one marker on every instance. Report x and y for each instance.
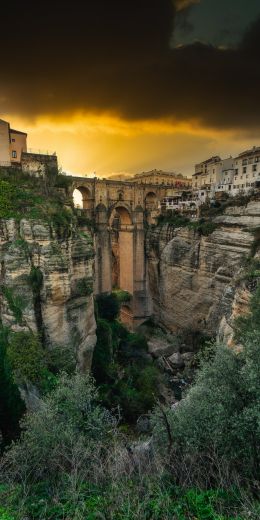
(151, 201)
(122, 249)
(82, 198)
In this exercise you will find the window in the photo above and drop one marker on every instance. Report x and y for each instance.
(13, 140)
(254, 167)
(236, 171)
(14, 154)
(244, 169)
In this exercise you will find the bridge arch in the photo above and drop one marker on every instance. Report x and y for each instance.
(151, 200)
(82, 198)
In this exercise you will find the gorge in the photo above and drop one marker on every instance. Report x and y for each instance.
(173, 286)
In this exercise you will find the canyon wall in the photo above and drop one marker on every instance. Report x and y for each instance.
(61, 306)
(197, 282)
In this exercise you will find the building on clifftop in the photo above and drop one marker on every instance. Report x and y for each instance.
(12, 144)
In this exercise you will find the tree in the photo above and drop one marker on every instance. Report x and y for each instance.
(65, 440)
(219, 420)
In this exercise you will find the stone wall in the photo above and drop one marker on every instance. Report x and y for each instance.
(37, 164)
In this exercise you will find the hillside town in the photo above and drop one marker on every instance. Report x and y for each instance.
(214, 179)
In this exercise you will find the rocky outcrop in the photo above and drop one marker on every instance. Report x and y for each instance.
(61, 306)
(195, 281)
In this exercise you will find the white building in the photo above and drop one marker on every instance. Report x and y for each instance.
(209, 176)
(247, 171)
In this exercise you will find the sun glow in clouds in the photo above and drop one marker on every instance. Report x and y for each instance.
(103, 144)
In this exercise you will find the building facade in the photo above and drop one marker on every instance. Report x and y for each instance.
(162, 178)
(13, 152)
(247, 171)
(12, 144)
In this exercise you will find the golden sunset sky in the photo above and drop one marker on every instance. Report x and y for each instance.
(124, 87)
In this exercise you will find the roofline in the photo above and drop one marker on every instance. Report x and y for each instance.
(13, 131)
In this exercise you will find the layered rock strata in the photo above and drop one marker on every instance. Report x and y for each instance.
(63, 306)
(197, 282)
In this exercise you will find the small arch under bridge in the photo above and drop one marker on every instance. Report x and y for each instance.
(120, 211)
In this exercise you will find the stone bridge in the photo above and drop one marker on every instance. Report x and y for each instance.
(121, 211)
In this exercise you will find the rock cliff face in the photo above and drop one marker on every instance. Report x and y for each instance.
(62, 304)
(196, 281)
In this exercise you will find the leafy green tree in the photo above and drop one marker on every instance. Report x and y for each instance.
(103, 352)
(219, 420)
(11, 405)
(108, 306)
(26, 357)
(65, 439)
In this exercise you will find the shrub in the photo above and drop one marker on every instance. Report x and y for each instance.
(65, 440)
(108, 306)
(122, 296)
(26, 357)
(15, 303)
(84, 286)
(11, 405)
(103, 352)
(219, 419)
(174, 218)
(35, 279)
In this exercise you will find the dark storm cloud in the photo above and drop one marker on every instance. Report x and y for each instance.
(115, 56)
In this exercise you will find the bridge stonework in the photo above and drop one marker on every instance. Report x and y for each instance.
(120, 211)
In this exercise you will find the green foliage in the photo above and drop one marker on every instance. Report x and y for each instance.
(122, 296)
(25, 196)
(26, 357)
(11, 405)
(124, 371)
(252, 269)
(62, 181)
(137, 391)
(36, 279)
(64, 439)
(256, 243)
(83, 220)
(129, 498)
(61, 217)
(174, 218)
(107, 306)
(85, 286)
(203, 227)
(15, 303)
(61, 358)
(219, 419)
(249, 325)
(103, 352)
(17, 203)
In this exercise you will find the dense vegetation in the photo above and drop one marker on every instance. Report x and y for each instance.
(126, 376)
(204, 226)
(25, 196)
(202, 462)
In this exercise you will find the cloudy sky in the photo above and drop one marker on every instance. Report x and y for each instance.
(130, 85)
